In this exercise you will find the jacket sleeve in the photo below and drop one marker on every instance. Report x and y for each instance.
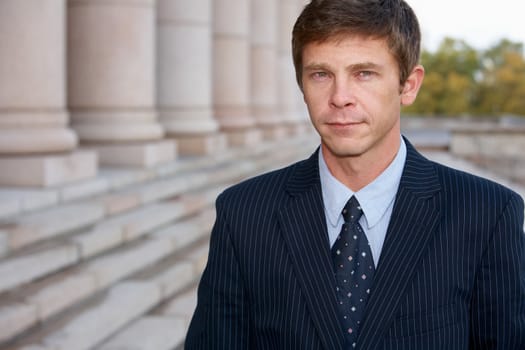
(498, 304)
(221, 319)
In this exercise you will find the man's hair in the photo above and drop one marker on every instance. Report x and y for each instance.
(392, 20)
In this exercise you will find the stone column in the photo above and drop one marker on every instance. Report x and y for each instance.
(264, 29)
(290, 97)
(231, 71)
(184, 76)
(36, 146)
(112, 81)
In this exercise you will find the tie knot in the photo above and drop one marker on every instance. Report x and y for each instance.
(352, 210)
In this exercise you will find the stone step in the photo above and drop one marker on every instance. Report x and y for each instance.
(184, 233)
(50, 223)
(24, 269)
(145, 219)
(163, 286)
(44, 299)
(151, 226)
(123, 303)
(149, 333)
(181, 307)
(133, 225)
(171, 269)
(114, 267)
(17, 201)
(198, 258)
(16, 318)
(20, 270)
(465, 165)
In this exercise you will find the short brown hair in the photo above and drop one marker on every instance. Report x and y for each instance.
(392, 20)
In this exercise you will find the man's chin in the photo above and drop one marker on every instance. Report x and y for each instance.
(340, 151)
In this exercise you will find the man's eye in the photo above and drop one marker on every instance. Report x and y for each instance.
(320, 75)
(365, 74)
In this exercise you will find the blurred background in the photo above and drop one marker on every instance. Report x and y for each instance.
(121, 121)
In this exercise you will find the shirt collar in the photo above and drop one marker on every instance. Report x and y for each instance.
(374, 198)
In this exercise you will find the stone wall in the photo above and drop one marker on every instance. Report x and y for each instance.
(499, 147)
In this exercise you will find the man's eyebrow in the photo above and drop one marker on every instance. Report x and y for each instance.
(316, 66)
(364, 66)
(352, 67)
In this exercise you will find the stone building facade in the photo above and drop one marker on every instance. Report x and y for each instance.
(91, 83)
(120, 122)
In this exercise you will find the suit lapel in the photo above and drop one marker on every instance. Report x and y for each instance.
(304, 231)
(414, 220)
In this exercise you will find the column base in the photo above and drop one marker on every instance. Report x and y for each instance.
(144, 155)
(245, 137)
(48, 170)
(300, 128)
(277, 132)
(201, 145)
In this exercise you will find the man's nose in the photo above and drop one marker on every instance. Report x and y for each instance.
(342, 94)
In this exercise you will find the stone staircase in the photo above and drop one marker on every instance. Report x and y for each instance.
(113, 263)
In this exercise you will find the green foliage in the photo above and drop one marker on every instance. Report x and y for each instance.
(460, 80)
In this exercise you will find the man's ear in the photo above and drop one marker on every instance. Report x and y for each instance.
(412, 85)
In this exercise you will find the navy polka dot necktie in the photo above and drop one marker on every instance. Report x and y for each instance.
(354, 271)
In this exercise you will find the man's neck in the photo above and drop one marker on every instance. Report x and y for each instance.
(357, 172)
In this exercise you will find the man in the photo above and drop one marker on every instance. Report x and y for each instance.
(366, 244)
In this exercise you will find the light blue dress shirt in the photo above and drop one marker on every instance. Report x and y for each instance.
(376, 200)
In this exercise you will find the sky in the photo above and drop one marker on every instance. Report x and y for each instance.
(481, 23)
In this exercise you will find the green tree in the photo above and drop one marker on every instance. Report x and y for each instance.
(502, 90)
(460, 80)
(450, 83)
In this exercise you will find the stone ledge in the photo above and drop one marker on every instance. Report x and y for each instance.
(9, 207)
(114, 267)
(84, 189)
(26, 200)
(145, 155)
(118, 203)
(459, 163)
(124, 303)
(114, 179)
(174, 279)
(50, 223)
(244, 138)
(100, 239)
(48, 170)
(497, 145)
(473, 129)
(201, 145)
(182, 306)
(15, 319)
(18, 271)
(4, 243)
(149, 333)
(61, 294)
(143, 220)
(198, 259)
(165, 188)
(163, 259)
(185, 233)
(38, 347)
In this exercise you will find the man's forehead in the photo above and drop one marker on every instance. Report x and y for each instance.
(358, 47)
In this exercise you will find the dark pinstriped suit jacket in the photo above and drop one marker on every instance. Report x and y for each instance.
(451, 274)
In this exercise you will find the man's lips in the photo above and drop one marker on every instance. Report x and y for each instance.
(343, 124)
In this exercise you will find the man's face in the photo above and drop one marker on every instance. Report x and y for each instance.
(351, 87)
